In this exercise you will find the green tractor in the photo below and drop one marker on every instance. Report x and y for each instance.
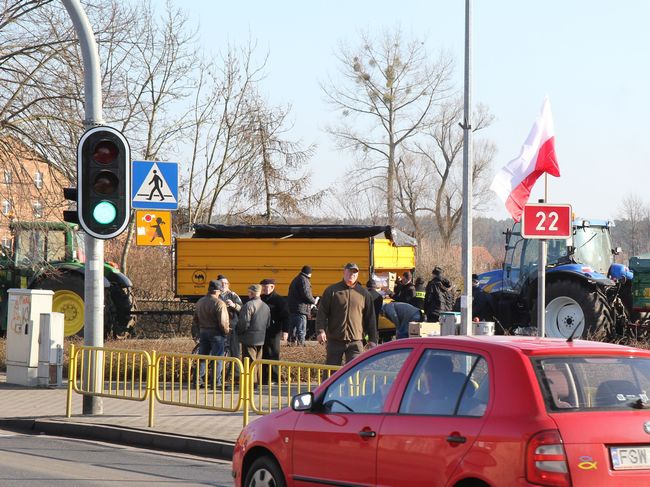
(51, 256)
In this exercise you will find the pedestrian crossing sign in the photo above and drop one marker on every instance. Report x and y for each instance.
(153, 227)
(154, 185)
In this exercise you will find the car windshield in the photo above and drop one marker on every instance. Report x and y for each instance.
(594, 382)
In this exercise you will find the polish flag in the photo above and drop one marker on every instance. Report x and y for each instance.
(514, 182)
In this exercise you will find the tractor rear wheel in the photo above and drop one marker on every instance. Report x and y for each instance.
(69, 300)
(572, 308)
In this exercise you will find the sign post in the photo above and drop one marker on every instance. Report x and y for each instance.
(544, 221)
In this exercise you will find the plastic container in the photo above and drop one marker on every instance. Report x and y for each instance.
(483, 328)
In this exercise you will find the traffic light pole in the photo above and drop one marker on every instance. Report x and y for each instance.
(94, 277)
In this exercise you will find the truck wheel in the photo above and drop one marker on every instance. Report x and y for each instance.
(69, 300)
(570, 305)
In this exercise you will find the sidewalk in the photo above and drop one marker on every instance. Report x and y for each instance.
(182, 429)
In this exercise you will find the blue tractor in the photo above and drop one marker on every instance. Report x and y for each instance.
(588, 295)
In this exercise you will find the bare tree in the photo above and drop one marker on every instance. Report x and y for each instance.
(222, 141)
(635, 216)
(276, 185)
(443, 154)
(388, 90)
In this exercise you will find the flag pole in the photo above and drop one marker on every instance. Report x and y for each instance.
(541, 275)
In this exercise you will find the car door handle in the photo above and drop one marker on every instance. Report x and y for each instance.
(456, 439)
(367, 434)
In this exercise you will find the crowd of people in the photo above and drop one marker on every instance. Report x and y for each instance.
(346, 318)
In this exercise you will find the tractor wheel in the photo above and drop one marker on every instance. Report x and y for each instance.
(570, 305)
(69, 300)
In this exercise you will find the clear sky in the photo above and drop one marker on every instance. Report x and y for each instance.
(590, 57)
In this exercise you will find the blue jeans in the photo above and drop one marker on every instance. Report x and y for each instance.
(211, 343)
(298, 325)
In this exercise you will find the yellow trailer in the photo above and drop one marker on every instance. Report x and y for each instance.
(248, 254)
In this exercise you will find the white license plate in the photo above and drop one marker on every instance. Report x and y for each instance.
(630, 457)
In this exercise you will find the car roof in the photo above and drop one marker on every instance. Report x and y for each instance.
(529, 345)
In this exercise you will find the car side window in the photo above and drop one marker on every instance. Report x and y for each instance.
(364, 388)
(444, 383)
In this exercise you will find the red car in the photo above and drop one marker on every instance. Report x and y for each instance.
(463, 411)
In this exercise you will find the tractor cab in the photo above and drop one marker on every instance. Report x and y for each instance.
(588, 251)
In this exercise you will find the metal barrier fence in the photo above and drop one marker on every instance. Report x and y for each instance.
(198, 381)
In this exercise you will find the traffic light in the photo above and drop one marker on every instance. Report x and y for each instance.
(103, 182)
(71, 216)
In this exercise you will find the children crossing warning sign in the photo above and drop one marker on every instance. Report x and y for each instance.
(153, 227)
(154, 185)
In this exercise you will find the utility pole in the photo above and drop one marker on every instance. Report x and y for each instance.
(94, 276)
(466, 298)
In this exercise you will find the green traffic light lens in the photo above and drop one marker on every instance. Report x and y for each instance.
(105, 213)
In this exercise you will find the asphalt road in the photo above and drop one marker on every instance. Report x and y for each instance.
(33, 460)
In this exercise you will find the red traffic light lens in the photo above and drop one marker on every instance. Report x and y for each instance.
(105, 182)
(105, 152)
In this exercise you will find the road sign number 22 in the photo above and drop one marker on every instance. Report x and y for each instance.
(542, 219)
(546, 221)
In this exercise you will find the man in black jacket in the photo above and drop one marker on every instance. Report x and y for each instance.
(301, 301)
(439, 296)
(279, 328)
(406, 291)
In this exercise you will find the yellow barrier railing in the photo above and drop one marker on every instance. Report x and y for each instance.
(106, 372)
(179, 381)
(276, 382)
(198, 381)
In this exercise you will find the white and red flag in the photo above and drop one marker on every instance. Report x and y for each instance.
(514, 182)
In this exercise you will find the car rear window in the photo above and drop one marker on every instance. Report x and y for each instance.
(589, 382)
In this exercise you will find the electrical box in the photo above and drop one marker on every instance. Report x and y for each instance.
(23, 327)
(50, 355)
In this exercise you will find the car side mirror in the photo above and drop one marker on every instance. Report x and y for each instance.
(302, 402)
(617, 250)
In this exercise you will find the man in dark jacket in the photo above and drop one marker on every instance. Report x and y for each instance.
(211, 320)
(482, 306)
(279, 328)
(301, 301)
(377, 299)
(439, 296)
(406, 290)
(254, 319)
(420, 293)
(345, 314)
(401, 314)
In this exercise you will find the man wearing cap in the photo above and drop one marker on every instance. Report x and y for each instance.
(439, 295)
(279, 328)
(345, 314)
(301, 301)
(234, 304)
(254, 319)
(211, 319)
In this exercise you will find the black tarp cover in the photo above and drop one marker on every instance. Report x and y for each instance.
(206, 230)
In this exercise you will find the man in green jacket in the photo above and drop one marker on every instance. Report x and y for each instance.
(345, 315)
